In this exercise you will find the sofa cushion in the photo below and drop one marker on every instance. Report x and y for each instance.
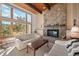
(60, 42)
(57, 50)
(23, 37)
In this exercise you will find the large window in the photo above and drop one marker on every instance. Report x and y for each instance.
(10, 28)
(29, 18)
(6, 11)
(19, 14)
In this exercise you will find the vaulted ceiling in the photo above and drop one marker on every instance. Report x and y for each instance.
(36, 7)
(39, 7)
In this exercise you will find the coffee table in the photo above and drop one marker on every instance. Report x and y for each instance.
(36, 45)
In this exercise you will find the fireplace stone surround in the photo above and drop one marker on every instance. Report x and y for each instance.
(61, 29)
(55, 18)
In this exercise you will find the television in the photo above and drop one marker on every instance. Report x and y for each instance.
(53, 33)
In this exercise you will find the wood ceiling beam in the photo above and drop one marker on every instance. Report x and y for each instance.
(47, 6)
(33, 7)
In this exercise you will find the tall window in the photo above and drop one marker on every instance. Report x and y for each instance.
(10, 28)
(19, 14)
(29, 18)
(6, 11)
(19, 27)
(29, 25)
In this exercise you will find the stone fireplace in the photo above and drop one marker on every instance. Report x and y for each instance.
(54, 31)
(55, 21)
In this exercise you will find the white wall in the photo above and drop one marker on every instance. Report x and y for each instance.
(72, 13)
(77, 9)
(37, 23)
(69, 16)
(33, 22)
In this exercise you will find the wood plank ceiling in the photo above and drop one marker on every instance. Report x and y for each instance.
(35, 7)
(39, 7)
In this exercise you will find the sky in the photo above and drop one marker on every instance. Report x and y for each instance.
(5, 11)
(19, 13)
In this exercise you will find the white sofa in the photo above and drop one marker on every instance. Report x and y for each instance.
(60, 48)
(22, 40)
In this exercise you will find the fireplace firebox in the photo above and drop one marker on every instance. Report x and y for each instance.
(53, 33)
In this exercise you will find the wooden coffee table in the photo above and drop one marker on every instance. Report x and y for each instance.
(36, 45)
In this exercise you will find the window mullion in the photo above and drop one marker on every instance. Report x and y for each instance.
(11, 12)
(26, 23)
(0, 10)
(0, 21)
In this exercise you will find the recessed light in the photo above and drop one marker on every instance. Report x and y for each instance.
(44, 7)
